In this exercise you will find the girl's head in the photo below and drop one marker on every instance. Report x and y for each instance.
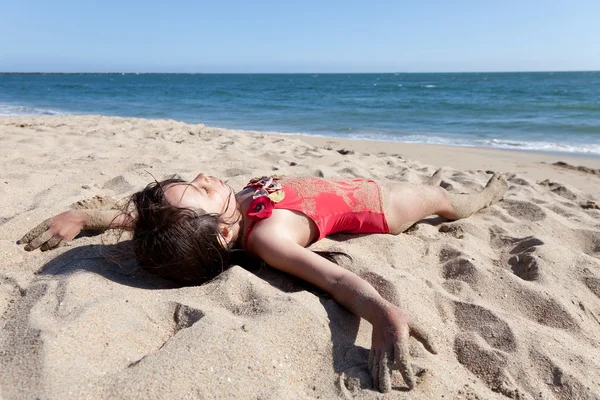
(183, 230)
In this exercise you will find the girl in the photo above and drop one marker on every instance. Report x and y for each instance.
(187, 232)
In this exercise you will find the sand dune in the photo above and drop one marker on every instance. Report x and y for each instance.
(511, 295)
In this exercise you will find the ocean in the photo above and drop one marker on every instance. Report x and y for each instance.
(539, 111)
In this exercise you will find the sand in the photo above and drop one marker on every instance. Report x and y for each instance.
(511, 295)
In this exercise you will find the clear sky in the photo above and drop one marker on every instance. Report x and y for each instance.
(299, 36)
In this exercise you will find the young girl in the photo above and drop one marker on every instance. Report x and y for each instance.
(186, 231)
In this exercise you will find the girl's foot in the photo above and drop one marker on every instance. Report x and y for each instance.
(495, 188)
(464, 205)
(436, 178)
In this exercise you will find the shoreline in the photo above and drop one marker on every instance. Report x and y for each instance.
(316, 136)
(388, 146)
(319, 137)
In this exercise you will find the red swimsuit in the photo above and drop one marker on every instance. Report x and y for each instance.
(353, 206)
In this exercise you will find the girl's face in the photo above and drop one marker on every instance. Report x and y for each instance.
(205, 192)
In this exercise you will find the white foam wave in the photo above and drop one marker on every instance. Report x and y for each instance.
(588, 148)
(428, 86)
(552, 147)
(20, 110)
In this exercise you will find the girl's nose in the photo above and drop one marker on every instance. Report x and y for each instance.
(200, 177)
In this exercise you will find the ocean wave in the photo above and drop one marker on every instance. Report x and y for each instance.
(551, 147)
(20, 110)
(554, 147)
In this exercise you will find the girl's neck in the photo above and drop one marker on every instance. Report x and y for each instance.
(241, 221)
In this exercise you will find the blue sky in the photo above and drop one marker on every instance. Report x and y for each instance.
(299, 36)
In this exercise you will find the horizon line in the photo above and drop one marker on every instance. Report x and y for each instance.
(294, 73)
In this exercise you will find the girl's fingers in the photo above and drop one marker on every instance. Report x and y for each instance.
(38, 241)
(385, 371)
(50, 244)
(35, 232)
(375, 370)
(401, 359)
(422, 336)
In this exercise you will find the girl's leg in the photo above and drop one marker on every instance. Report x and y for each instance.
(405, 204)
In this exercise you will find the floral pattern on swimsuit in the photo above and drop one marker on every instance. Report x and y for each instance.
(268, 191)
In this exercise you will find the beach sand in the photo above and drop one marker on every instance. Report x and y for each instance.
(511, 295)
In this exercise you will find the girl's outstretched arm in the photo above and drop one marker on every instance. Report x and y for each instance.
(391, 327)
(62, 228)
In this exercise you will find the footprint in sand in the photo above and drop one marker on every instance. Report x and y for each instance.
(448, 253)
(484, 345)
(524, 210)
(486, 324)
(526, 245)
(460, 274)
(518, 180)
(524, 263)
(460, 269)
(488, 364)
(560, 383)
(562, 211)
(559, 189)
(519, 252)
(454, 229)
(525, 266)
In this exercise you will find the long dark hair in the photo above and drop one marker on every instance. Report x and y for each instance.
(181, 244)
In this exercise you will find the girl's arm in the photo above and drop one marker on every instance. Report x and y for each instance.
(65, 226)
(391, 327)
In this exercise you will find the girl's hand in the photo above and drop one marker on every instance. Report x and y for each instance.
(389, 349)
(54, 232)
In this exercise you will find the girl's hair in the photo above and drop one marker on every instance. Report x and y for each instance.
(181, 244)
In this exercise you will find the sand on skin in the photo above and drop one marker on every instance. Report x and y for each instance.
(511, 295)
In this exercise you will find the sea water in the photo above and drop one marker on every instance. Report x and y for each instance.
(540, 111)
